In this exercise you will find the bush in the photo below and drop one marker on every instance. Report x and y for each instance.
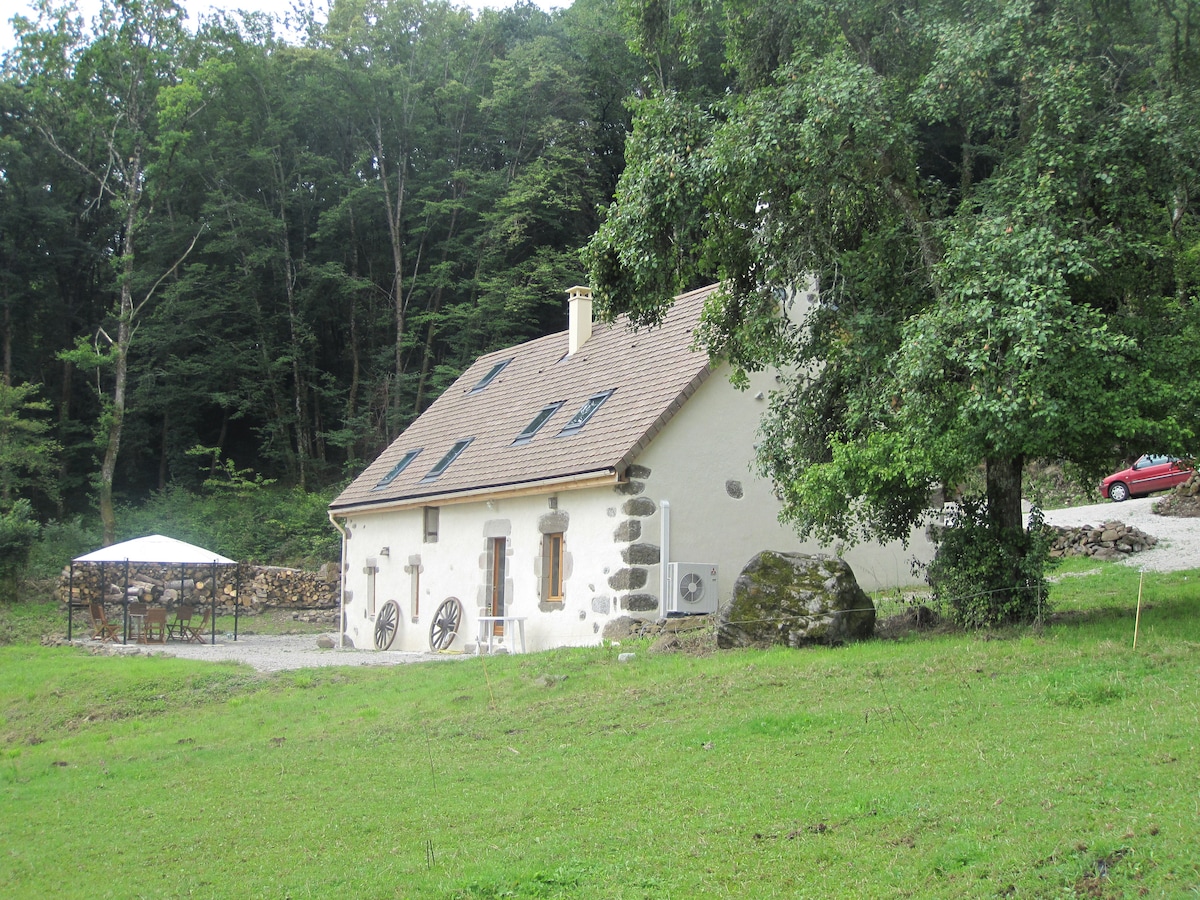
(265, 525)
(18, 532)
(59, 543)
(981, 577)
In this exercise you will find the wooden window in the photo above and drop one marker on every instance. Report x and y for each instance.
(552, 563)
(431, 524)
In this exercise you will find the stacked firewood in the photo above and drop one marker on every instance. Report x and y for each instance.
(261, 587)
(273, 586)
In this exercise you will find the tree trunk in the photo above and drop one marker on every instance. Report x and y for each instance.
(164, 449)
(116, 414)
(64, 421)
(1004, 493)
(355, 361)
(299, 387)
(394, 207)
(7, 342)
(431, 332)
(1004, 507)
(219, 450)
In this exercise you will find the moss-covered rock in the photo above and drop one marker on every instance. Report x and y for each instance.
(795, 599)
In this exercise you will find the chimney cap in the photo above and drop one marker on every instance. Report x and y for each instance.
(579, 291)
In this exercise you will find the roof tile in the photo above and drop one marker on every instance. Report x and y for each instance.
(650, 371)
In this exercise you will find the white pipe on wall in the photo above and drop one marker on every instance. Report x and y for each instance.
(341, 584)
(664, 557)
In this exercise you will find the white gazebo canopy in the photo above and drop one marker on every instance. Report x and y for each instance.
(154, 548)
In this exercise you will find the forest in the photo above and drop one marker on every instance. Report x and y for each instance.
(226, 257)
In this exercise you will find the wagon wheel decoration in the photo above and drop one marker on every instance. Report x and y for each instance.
(445, 624)
(387, 622)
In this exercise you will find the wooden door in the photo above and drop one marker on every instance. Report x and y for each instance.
(496, 588)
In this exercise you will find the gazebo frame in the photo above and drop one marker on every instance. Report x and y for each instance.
(217, 561)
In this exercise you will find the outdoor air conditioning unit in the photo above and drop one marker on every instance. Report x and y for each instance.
(692, 588)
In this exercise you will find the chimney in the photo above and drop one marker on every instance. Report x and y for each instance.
(579, 307)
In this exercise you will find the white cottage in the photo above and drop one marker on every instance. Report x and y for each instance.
(564, 482)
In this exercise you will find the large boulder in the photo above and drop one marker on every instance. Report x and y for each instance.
(795, 599)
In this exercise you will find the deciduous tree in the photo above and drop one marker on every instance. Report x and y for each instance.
(97, 103)
(993, 204)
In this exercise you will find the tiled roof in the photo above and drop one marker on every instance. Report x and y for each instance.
(651, 373)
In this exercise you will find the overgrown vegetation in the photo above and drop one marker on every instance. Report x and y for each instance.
(269, 525)
(983, 579)
(1052, 762)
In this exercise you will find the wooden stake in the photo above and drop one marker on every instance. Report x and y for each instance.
(1138, 616)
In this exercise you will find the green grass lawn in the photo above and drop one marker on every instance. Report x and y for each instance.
(1044, 762)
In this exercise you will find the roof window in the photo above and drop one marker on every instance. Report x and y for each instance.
(585, 413)
(490, 376)
(396, 470)
(538, 421)
(444, 463)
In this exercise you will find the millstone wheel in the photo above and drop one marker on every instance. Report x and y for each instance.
(387, 622)
(445, 624)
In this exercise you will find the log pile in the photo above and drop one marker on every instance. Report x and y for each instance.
(157, 585)
(273, 586)
(255, 587)
(1113, 540)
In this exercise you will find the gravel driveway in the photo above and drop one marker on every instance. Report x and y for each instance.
(277, 653)
(1178, 538)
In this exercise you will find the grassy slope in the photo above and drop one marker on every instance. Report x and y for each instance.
(1027, 764)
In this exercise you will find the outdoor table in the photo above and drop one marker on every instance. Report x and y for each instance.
(490, 623)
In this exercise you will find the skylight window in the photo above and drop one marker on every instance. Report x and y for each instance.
(586, 411)
(538, 421)
(396, 470)
(490, 376)
(444, 463)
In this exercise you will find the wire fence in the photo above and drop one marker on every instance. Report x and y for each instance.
(944, 600)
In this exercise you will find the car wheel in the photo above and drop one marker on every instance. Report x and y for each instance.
(1117, 492)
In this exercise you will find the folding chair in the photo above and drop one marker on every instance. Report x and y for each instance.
(155, 626)
(195, 633)
(183, 618)
(102, 629)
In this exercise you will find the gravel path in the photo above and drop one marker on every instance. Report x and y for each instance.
(277, 653)
(1178, 538)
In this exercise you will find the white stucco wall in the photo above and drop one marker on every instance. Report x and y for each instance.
(709, 443)
(706, 446)
(456, 566)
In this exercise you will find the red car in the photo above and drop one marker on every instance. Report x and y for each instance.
(1149, 474)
